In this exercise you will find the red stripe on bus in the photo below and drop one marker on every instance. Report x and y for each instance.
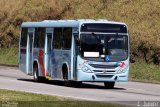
(40, 60)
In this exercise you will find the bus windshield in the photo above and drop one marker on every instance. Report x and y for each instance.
(104, 47)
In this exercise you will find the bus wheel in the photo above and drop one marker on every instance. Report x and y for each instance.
(67, 82)
(65, 76)
(35, 73)
(109, 85)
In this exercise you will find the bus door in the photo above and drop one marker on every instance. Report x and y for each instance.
(22, 50)
(47, 51)
(75, 52)
(29, 54)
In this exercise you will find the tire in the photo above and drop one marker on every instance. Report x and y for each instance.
(36, 76)
(109, 85)
(67, 82)
(35, 73)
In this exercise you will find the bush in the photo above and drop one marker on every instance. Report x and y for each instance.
(142, 18)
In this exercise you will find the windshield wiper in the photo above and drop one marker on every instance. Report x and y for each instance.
(98, 39)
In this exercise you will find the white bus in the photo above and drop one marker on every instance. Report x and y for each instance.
(84, 50)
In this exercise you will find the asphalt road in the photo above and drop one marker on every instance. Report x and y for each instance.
(129, 93)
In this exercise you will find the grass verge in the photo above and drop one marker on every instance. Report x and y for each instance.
(9, 55)
(23, 99)
(141, 71)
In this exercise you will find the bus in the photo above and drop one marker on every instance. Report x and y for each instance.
(83, 50)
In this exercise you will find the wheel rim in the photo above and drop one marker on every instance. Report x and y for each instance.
(35, 74)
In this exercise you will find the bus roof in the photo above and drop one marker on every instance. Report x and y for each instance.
(66, 23)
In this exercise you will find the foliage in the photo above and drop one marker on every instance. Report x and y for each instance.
(142, 18)
(141, 71)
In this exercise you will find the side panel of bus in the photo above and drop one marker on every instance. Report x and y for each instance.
(74, 53)
(30, 41)
(61, 51)
(26, 50)
(47, 51)
(22, 49)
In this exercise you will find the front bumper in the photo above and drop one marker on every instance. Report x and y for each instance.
(101, 77)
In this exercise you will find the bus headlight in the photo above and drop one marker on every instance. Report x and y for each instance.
(86, 69)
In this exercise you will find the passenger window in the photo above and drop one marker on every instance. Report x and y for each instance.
(57, 37)
(23, 42)
(49, 40)
(39, 37)
(67, 38)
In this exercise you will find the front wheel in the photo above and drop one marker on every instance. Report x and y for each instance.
(35, 73)
(109, 85)
(67, 82)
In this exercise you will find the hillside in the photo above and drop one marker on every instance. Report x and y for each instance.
(141, 16)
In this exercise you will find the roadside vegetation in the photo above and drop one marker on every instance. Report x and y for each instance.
(24, 99)
(9, 56)
(141, 16)
(142, 71)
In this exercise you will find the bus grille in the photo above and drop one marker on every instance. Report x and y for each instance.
(104, 66)
(104, 76)
(105, 71)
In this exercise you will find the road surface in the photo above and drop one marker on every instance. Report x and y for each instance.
(130, 93)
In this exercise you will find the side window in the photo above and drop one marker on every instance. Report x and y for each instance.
(49, 40)
(39, 39)
(24, 32)
(36, 38)
(57, 36)
(31, 34)
(67, 38)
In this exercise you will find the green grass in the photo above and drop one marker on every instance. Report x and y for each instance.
(141, 71)
(9, 55)
(23, 99)
(7, 95)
